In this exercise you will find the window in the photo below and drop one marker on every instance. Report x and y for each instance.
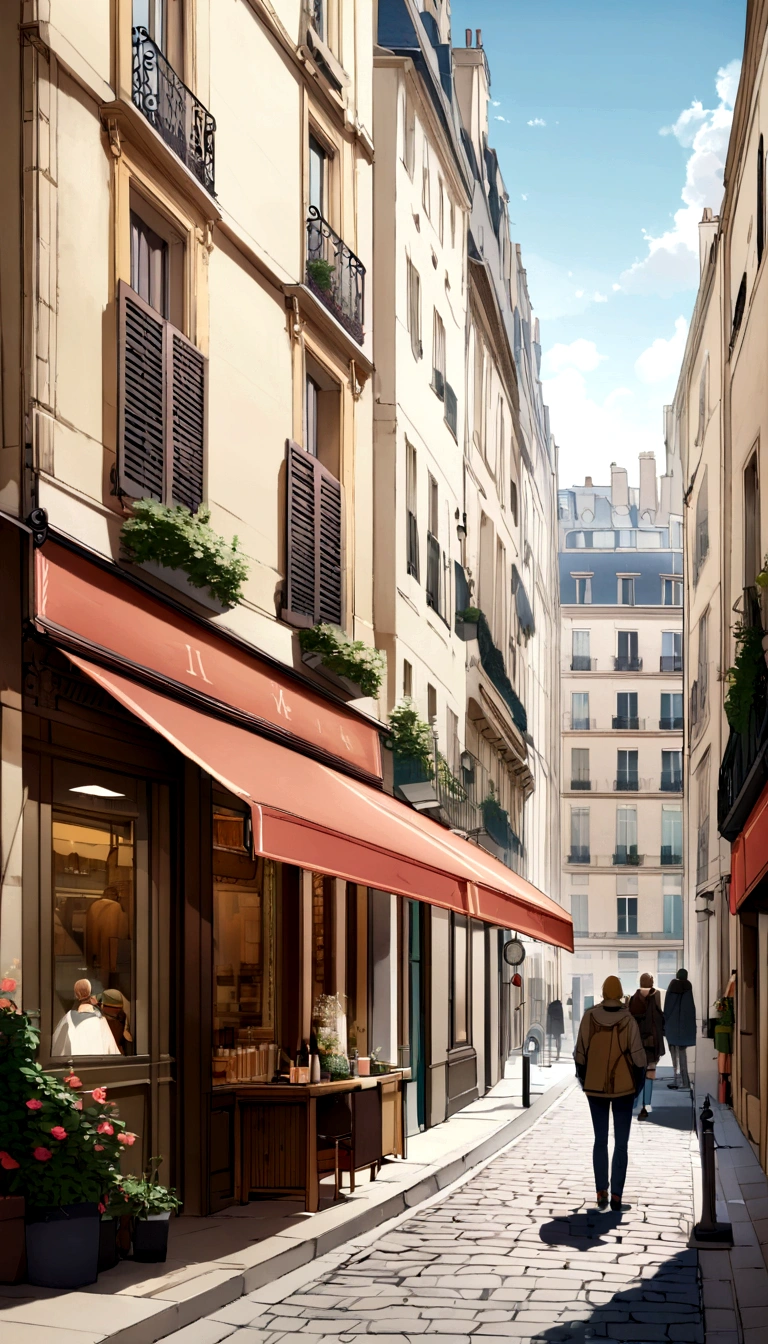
(407, 680)
(513, 501)
(738, 309)
(626, 770)
(671, 651)
(459, 980)
(438, 356)
(149, 266)
(627, 592)
(627, 538)
(579, 835)
(454, 748)
(244, 909)
(412, 530)
(318, 17)
(702, 675)
(703, 401)
(667, 969)
(626, 914)
(627, 659)
(478, 401)
(604, 541)
(453, 223)
(702, 839)
(583, 591)
(580, 659)
(626, 835)
(311, 400)
(580, 710)
(318, 174)
(435, 577)
(322, 415)
(414, 309)
(441, 212)
(671, 711)
(580, 768)
(431, 703)
(671, 835)
(752, 547)
(409, 137)
(580, 912)
(673, 915)
(626, 711)
(426, 188)
(760, 200)
(628, 971)
(150, 14)
(672, 592)
(702, 527)
(671, 771)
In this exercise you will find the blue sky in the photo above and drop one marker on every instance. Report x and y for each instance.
(604, 113)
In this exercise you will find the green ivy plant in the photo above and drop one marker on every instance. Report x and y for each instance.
(59, 1144)
(178, 539)
(409, 736)
(743, 678)
(350, 658)
(321, 273)
(470, 616)
(143, 1196)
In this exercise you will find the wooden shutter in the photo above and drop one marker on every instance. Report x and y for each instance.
(161, 416)
(314, 541)
(142, 397)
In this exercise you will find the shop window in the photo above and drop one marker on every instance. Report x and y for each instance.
(94, 916)
(322, 936)
(459, 980)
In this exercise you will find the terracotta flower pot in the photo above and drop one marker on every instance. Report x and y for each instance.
(13, 1252)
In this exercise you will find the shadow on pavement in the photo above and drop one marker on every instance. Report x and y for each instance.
(643, 1313)
(581, 1231)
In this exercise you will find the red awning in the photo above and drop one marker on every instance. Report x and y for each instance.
(749, 853)
(308, 814)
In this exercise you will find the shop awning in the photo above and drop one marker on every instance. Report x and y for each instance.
(308, 814)
(749, 854)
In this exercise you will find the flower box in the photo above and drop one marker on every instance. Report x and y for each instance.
(466, 630)
(348, 688)
(178, 579)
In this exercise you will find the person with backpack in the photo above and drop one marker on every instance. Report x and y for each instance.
(680, 1026)
(610, 1064)
(645, 1007)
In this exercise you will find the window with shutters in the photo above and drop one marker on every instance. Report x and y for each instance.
(161, 407)
(314, 588)
(438, 356)
(702, 527)
(411, 512)
(426, 184)
(414, 309)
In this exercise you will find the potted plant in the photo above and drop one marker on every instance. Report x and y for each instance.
(150, 1205)
(495, 818)
(349, 664)
(745, 676)
(327, 1017)
(321, 273)
(466, 623)
(378, 1065)
(173, 538)
(60, 1147)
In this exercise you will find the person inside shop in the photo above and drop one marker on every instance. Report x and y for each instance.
(117, 1011)
(83, 1030)
(106, 923)
(680, 1026)
(645, 1007)
(610, 1065)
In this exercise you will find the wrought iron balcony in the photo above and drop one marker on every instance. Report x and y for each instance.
(335, 274)
(629, 783)
(673, 724)
(627, 854)
(581, 785)
(627, 722)
(451, 410)
(176, 114)
(670, 856)
(624, 663)
(493, 664)
(658, 936)
(671, 662)
(671, 784)
(581, 662)
(579, 854)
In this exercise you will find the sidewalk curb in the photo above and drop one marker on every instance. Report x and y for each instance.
(220, 1282)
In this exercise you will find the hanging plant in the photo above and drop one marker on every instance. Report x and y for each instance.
(409, 737)
(744, 677)
(178, 539)
(350, 658)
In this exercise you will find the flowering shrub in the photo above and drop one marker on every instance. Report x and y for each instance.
(349, 658)
(56, 1148)
(409, 736)
(178, 539)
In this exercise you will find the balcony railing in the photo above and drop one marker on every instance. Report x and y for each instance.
(671, 855)
(671, 662)
(627, 784)
(493, 664)
(624, 663)
(627, 722)
(451, 410)
(335, 274)
(579, 854)
(627, 854)
(671, 723)
(671, 784)
(176, 114)
(581, 785)
(622, 856)
(576, 723)
(642, 934)
(581, 662)
(744, 768)
(413, 545)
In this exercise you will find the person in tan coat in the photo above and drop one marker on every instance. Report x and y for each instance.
(610, 1064)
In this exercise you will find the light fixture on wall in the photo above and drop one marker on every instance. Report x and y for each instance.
(461, 525)
(704, 906)
(96, 791)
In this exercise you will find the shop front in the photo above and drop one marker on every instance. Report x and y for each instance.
(216, 889)
(749, 903)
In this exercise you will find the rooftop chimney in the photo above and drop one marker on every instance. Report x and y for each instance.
(648, 504)
(619, 487)
(587, 482)
(468, 36)
(478, 37)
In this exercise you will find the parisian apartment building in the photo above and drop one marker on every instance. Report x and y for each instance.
(275, 464)
(621, 585)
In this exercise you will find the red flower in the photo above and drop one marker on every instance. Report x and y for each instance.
(6, 1003)
(105, 1128)
(73, 1080)
(59, 1132)
(78, 1104)
(102, 1208)
(34, 1104)
(8, 1162)
(98, 1147)
(42, 1154)
(127, 1139)
(99, 1094)
(8, 986)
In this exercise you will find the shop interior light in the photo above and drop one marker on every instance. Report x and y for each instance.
(96, 791)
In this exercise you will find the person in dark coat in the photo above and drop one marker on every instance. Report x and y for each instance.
(556, 1023)
(680, 1026)
(645, 1007)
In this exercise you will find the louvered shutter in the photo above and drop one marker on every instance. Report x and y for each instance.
(187, 429)
(142, 397)
(314, 541)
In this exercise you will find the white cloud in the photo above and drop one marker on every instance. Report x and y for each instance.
(671, 263)
(661, 361)
(615, 288)
(500, 118)
(593, 433)
(496, 102)
(524, 196)
(579, 293)
(537, 121)
(597, 297)
(559, 292)
(580, 354)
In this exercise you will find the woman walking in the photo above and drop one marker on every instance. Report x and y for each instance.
(680, 1026)
(610, 1064)
(645, 1007)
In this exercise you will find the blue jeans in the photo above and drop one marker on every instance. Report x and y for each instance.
(600, 1108)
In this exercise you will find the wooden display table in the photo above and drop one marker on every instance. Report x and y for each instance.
(276, 1132)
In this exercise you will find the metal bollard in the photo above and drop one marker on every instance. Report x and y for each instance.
(709, 1229)
(526, 1080)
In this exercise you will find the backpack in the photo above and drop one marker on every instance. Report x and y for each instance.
(609, 1070)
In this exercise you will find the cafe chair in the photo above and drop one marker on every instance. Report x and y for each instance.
(362, 1148)
(334, 1126)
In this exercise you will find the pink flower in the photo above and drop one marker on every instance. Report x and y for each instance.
(6, 1003)
(34, 1104)
(105, 1128)
(99, 1094)
(127, 1139)
(59, 1132)
(102, 1208)
(42, 1154)
(8, 986)
(78, 1105)
(8, 1162)
(73, 1080)
(98, 1147)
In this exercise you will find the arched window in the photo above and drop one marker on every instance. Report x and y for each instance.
(760, 201)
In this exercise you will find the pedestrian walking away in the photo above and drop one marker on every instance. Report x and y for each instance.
(680, 1026)
(556, 1024)
(645, 1007)
(610, 1064)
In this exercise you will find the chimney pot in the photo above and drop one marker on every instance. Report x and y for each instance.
(587, 482)
(478, 37)
(468, 36)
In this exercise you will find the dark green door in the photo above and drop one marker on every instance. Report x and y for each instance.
(417, 1089)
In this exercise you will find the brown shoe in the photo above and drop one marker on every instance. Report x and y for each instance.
(643, 1114)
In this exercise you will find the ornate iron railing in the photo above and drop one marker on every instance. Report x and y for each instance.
(176, 114)
(335, 274)
(671, 662)
(493, 664)
(625, 662)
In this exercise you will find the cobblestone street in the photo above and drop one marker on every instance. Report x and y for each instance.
(515, 1252)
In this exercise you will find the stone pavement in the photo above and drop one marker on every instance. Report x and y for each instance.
(514, 1252)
